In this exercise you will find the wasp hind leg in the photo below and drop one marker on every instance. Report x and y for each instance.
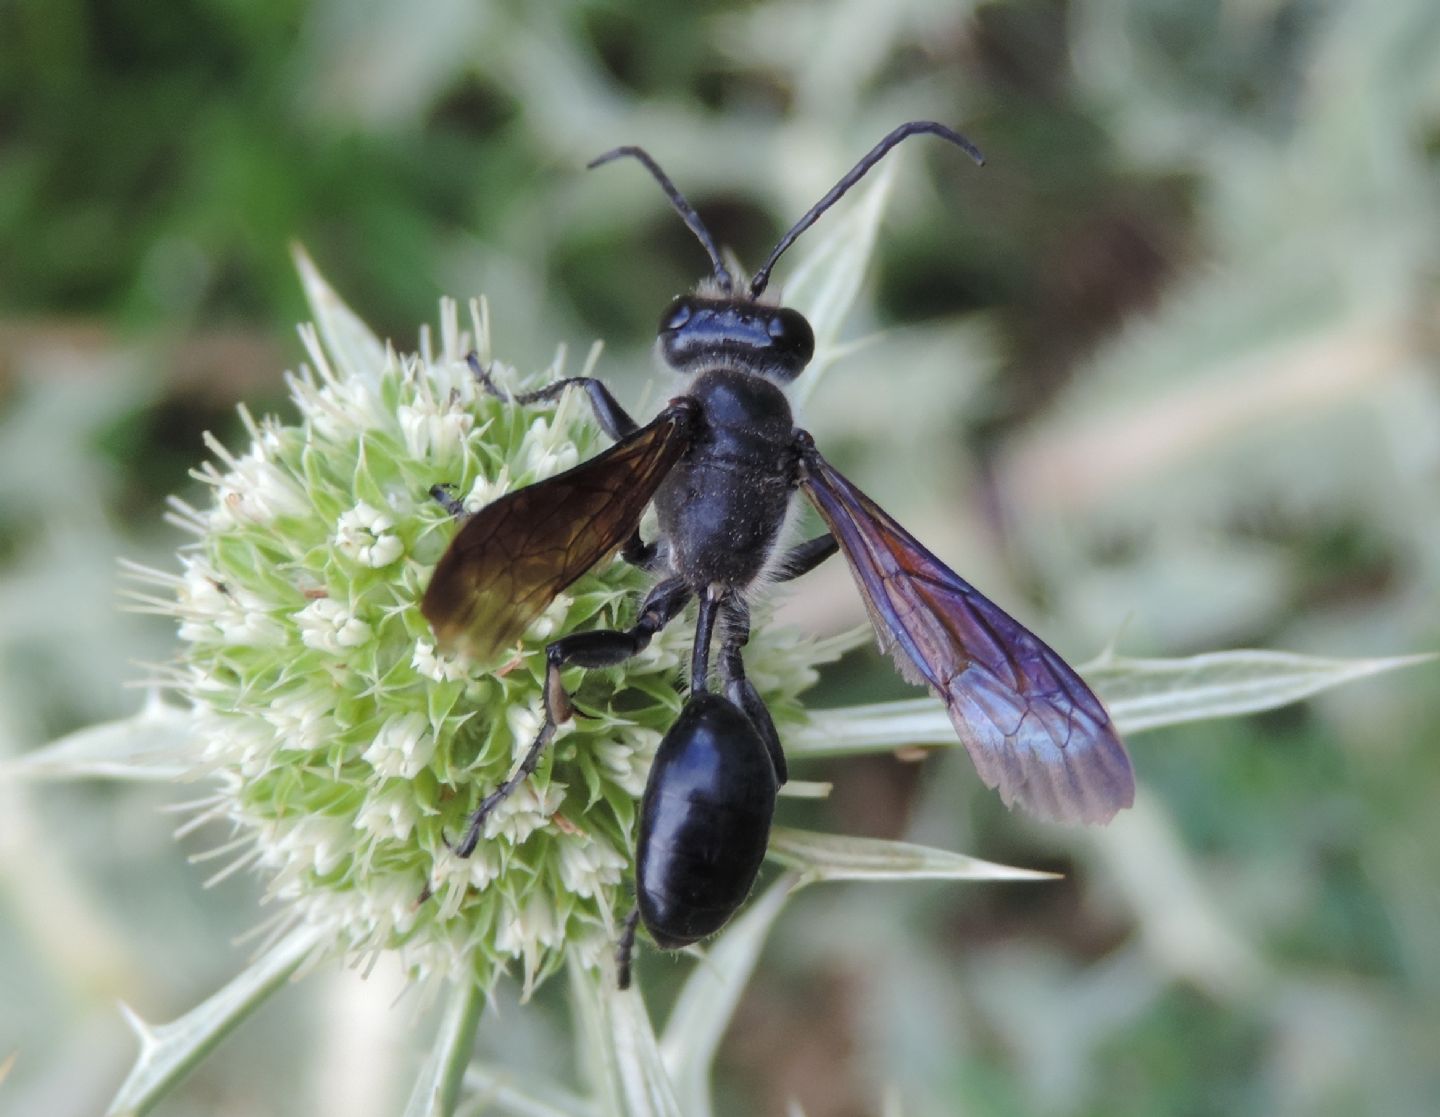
(713, 602)
(740, 690)
(795, 563)
(625, 949)
(601, 648)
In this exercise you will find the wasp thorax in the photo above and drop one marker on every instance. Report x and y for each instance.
(700, 333)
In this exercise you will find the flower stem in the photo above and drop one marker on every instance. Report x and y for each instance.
(437, 1090)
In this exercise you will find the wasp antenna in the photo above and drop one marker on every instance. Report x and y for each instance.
(854, 175)
(677, 199)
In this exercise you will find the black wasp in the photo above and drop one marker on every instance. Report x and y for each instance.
(722, 463)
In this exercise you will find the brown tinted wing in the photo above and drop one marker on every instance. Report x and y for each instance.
(1033, 728)
(512, 557)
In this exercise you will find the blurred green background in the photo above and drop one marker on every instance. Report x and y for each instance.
(1163, 373)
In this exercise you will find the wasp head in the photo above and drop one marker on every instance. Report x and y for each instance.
(698, 333)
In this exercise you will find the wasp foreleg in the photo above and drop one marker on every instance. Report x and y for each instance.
(614, 420)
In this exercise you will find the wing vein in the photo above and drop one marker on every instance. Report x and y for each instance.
(509, 560)
(1034, 730)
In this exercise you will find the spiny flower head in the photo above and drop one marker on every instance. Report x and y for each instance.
(347, 746)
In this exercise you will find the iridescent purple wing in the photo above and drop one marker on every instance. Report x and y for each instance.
(1035, 731)
(511, 558)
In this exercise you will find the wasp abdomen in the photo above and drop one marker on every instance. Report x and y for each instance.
(704, 822)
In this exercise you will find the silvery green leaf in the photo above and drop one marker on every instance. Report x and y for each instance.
(841, 857)
(151, 744)
(849, 730)
(347, 340)
(1147, 693)
(824, 284)
(168, 1051)
(489, 1089)
(437, 1090)
(806, 789)
(707, 1001)
(618, 1043)
(1140, 694)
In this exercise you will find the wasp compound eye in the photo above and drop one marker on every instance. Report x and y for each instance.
(676, 315)
(794, 340)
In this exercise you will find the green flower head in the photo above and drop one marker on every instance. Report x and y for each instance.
(348, 746)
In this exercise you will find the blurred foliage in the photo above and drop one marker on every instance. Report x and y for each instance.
(1171, 356)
